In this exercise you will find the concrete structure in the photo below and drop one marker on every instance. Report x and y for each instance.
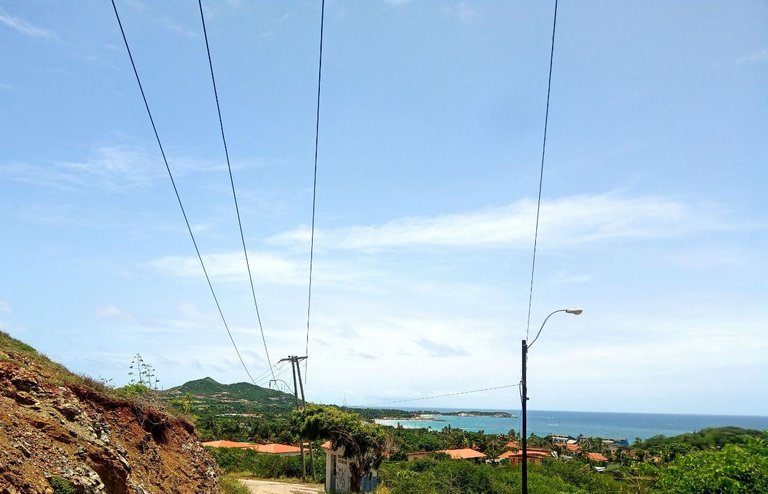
(337, 474)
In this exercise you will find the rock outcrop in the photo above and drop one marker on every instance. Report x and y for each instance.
(60, 436)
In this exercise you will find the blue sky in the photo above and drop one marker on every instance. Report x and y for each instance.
(653, 210)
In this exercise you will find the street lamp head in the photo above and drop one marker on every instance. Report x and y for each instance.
(574, 311)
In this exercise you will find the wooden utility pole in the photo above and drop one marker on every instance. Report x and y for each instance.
(296, 372)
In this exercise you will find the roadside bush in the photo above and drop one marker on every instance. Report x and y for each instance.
(230, 485)
(265, 465)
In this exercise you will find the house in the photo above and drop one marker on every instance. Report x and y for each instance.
(272, 449)
(276, 449)
(597, 457)
(572, 448)
(464, 454)
(417, 455)
(512, 445)
(535, 455)
(337, 474)
(560, 440)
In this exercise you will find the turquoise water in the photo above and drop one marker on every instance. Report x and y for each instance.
(596, 424)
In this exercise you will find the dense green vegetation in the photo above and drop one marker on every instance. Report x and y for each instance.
(211, 397)
(246, 462)
(432, 476)
(736, 468)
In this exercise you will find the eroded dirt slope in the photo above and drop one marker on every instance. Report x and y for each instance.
(61, 430)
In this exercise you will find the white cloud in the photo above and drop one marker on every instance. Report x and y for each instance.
(567, 221)
(757, 56)
(24, 27)
(231, 266)
(6, 307)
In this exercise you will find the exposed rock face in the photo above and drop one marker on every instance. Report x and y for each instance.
(50, 434)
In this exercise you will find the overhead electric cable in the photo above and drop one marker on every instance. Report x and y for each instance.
(541, 172)
(314, 184)
(232, 183)
(443, 396)
(176, 191)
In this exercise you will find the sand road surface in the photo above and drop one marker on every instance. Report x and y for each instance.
(274, 487)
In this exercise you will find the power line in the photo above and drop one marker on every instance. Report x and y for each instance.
(232, 183)
(445, 395)
(176, 191)
(314, 183)
(541, 172)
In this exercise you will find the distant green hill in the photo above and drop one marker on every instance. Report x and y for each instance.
(210, 396)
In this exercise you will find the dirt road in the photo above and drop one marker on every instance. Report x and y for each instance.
(273, 487)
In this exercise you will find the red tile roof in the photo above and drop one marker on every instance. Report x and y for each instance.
(275, 449)
(463, 453)
(572, 447)
(596, 457)
(532, 453)
(512, 445)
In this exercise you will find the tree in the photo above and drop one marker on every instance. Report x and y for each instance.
(734, 469)
(362, 443)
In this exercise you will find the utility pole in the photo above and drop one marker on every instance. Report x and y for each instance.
(524, 399)
(296, 372)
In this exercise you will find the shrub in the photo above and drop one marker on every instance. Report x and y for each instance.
(62, 486)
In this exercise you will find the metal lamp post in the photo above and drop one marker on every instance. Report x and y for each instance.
(524, 392)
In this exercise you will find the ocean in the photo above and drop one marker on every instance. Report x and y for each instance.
(596, 424)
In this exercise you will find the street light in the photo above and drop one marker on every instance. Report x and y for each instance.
(524, 391)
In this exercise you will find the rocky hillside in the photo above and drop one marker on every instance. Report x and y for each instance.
(60, 433)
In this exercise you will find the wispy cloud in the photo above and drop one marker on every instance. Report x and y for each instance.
(24, 27)
(111, 167)
(435, 349)
(567, 221)
(265, 267)
(231, 266)
(5, 307)
(757, 56)
(177, 29)
(463, 11)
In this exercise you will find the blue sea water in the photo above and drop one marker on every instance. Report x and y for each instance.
(595, 424)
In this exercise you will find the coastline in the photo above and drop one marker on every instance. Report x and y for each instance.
(594, 424)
